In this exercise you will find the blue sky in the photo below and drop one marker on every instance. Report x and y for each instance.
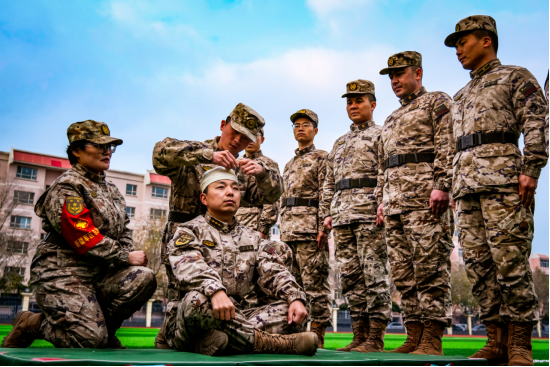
(152, 69)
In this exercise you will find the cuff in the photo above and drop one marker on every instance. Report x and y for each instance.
(296, 295)
(262, 175)
(321, 227)
(531, 171)
(442, 186)
(263, 229)
(213, 288)
(207, 155)
(124, 258)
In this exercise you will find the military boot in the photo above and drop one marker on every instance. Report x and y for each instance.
(375, 340)
(520, 350)
(112, 341)
(495, 350)
(212, 344)
(300, 343)
(360, 329)
(26, 328)
(320, 331)
(430, 343)
(414, 333)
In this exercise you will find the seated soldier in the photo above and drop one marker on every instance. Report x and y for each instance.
(216, 262)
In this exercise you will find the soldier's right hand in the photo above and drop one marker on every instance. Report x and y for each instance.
(137, 258)
(328, 223)
(380, 216)
(223, 308)
(225, 159)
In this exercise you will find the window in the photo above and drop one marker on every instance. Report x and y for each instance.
(275, 230)
(544, 263)
(23, 197)
(26, 172)
(131, 189)
(131, 211)
(160, 192)
(157, 213)
(460, 252)
(17, 247)
(14, 270)
(20, 222)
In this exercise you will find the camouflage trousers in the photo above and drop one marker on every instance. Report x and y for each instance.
(495, 233)
(81, 312)
(419, 248)
(310, 268)
(194, 317)
(362, 256)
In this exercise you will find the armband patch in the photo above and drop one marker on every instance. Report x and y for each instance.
(441, 110)
(209, 244)
(77, 226)
(269, 249)
(528, 89)
(75, 205)
(183, 239)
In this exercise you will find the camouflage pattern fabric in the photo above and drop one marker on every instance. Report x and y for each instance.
(420, 125)
(546, 125)
(207, 255)
(309, 114)
(419, 249)
(402, 60)
(521, 106)
(246, 121)
(362, 256)
(310, 269)
(495, 232)
(93, 131)
(359, 86)
(469, 24)
(80, 295)
(354, 155)
(303, 177)
(260, 219)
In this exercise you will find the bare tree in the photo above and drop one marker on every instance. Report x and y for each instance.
(461, 291)
(7, 204)
(541, 288)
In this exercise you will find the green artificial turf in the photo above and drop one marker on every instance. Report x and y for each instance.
(136, 338)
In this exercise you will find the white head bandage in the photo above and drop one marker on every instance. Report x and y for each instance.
(216, 174)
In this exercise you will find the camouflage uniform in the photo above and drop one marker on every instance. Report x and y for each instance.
(207, 255)
(495, 230)
(419, 243)
(303, 178)
(260, 217)
(85, 296)
(546, 125)
(360, 245)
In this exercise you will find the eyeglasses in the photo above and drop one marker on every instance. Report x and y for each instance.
(104, 148)
(305, 125)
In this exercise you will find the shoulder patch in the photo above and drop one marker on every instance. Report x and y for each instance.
(528, 89)
(488, 84)
(441, 110)
(75, 204)
(206, 168)
(183, 239)
(270, 249)
(341, 142)
(246, 248)
(209, 243)
(458, 97)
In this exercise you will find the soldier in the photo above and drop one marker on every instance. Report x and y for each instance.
(413, 194)
(184, 162)
(546, 125)
(302, 225)
(349, 205)
(494, 186)
(87, 277)
(215, 262)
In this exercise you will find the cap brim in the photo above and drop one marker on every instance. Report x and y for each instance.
(451, 39)
(243, 130)
(387, 70)
(353, 94)
(106, 140)
(298, 114)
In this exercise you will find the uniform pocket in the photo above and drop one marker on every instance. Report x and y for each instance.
(304, 219)
(517, 224)
(244, 271)
(496, 164)
(416, 184)
(63, 303)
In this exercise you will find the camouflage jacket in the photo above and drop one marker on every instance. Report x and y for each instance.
(303, 177)
(354, 155)
(499, 98)
(207, 255)
(262, 218)
(107, 209)
(421, 125)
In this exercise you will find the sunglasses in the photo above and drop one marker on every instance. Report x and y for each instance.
(104, 148)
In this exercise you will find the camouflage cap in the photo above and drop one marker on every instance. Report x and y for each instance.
(93, 131)
(246, 121)
(307, 114)
(471, 24)
(359, 86)
(402, 60)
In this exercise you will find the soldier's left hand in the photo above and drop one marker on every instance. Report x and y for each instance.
(527, 187)
(250, 167)
(263, 236)
(297, 312)
(439, 202)
(322, 238)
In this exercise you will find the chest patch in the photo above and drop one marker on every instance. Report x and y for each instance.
(488, 84)
(183, 239)
(246, 248)
(307, 165)
(366, 138)
(75, 205)
(209, 244)
(269, 249)
(528, 89)
(441, 110)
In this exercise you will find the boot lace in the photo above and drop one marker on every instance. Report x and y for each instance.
(491, 339)
(518, 343)
(427, 337)
(358, 335)
(278, 344)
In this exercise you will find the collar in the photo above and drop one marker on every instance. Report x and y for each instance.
(255, 155)
(215, 147)
(97, 178)
(485, 68)
(363, 126)
(218, 224)
(305, 150)
(411, 97)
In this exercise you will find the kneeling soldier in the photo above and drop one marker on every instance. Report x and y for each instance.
(215, 263)
(88, 279)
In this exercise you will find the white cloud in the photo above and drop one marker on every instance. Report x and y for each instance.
(325, 7)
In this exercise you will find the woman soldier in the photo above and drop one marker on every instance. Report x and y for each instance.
(87, 277)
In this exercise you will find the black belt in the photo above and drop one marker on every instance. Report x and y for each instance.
(350, 183)
(473, 140)
(401, 159)
(247, 205)
(56, 239)
(180, 217)
(300, 202)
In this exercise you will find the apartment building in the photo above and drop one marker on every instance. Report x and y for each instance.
(32, 173)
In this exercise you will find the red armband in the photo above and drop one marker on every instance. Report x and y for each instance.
(77, 226)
